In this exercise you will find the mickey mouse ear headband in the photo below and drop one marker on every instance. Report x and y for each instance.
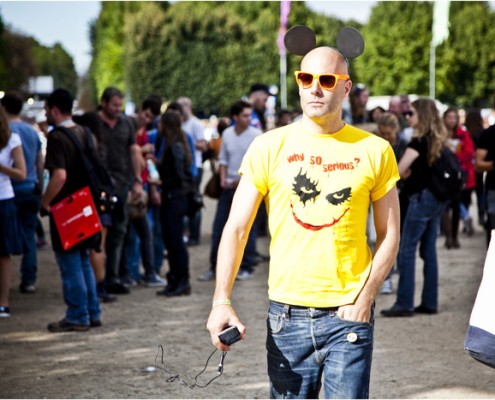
(301, 40)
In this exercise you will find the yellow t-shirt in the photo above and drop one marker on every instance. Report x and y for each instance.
(317, 192)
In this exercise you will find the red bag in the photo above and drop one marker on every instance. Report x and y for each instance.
(76, 218)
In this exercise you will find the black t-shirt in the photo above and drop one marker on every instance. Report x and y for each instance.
(487, 142)
(118, 140)
(420, 171)
(62, 154)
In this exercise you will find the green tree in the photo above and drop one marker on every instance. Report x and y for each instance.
(57, 63)
(396, 55)
(107, 37)
(466, 67)
(212, 52)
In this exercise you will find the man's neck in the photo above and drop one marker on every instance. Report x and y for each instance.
(65, 122)
(322, 126)
(108, 120)
(238, 129)
(13, 117)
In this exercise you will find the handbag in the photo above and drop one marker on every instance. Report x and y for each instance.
(213, 188)
(76, 218)
(480, 337)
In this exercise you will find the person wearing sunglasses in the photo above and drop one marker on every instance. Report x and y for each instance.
(317, 177)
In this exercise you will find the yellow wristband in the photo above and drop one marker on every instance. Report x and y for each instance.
(224, 302)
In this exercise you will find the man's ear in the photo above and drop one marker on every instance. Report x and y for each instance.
(348, 87)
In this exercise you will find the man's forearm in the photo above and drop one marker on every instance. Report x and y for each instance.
(229, 258)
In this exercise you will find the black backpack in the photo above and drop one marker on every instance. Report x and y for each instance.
(448, 179)
(99, 180)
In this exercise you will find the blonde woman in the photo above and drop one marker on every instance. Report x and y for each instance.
(423, 212)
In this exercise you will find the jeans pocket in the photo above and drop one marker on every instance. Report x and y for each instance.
(351, 322)
(275, 323)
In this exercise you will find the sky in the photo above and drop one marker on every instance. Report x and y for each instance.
(67, 22)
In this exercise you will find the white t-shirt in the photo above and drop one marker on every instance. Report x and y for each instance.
(6, 190)
(194, 127)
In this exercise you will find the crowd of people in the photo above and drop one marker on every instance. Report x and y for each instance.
(156, 158)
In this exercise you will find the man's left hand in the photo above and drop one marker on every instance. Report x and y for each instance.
(355, 312)
(137, 189)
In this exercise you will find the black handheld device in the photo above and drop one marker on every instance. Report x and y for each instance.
(229, 335)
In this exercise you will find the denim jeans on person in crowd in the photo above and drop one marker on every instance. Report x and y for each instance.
(28, 206)
(79, 286)
(221, 216)
(420, 227)
(139, 237)
(156, 228)
(305, 343)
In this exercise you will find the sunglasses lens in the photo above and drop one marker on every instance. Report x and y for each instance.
(305, 79)
(328, 81)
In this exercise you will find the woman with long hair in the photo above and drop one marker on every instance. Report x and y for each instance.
(12, 166)
(462, 145)
(175, 173)
(423, 212)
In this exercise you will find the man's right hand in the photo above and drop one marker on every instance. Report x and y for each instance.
(221, 317)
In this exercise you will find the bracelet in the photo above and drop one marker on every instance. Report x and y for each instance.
(224, 302)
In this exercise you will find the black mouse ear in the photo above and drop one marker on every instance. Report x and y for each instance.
(300, 40)
(350, 42)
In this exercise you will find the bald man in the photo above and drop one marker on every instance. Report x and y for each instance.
(317, 178)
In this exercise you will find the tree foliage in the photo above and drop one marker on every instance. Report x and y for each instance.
(22, 57)
(213, 51)
(397, 53)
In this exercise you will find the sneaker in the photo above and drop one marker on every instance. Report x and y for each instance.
(129, 281)
(42, 244)
(387, 287)
(4, 312)
(155, 281)
(65, 326)
(207, 276)
(28, 289)
(244, 275)
(106, 298)
(468, 227)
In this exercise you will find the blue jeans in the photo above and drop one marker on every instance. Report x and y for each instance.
(139, 241)
(304, 344)
(221, 216)
(420, 227)
(158, 246)
(28, 205)
(79, 286)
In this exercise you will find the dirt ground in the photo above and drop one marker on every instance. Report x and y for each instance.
(418, 357)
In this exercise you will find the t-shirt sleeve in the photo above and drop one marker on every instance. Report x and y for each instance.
(387, 174)
(15, 141)
(254, 165)
(484, 142)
